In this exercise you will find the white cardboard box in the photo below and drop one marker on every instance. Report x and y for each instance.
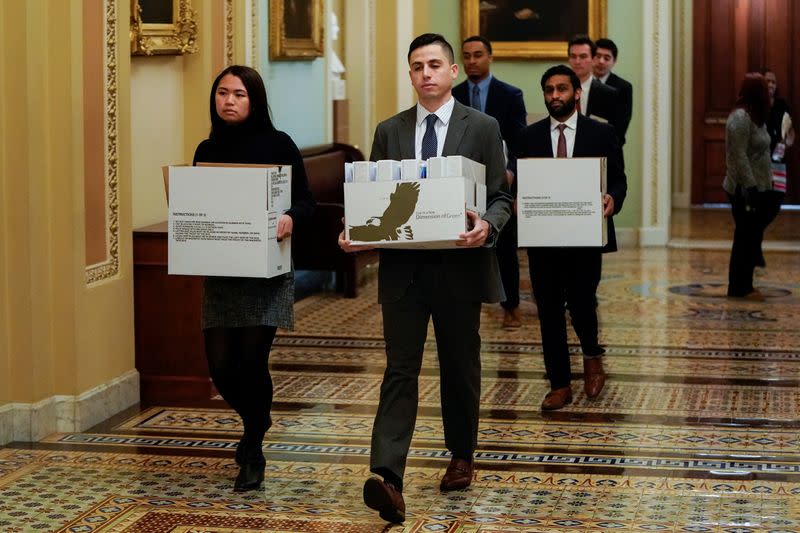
(560, 202)
(426, 213)
(223, 220)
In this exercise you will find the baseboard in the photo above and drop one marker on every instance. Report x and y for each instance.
(681, 199)
(30, 422)
(6, 423)
(654, 236)
(627, 237)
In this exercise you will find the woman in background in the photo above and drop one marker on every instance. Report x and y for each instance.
(241, 315)
(747, 178)
(779, 142)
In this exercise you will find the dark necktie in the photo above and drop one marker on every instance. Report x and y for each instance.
(476, 98)
(429, 139)
(561, 150)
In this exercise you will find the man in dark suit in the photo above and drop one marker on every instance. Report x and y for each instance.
(569, 276)
(604, 60)
(597, 99)
(498, 99)
(446, 285)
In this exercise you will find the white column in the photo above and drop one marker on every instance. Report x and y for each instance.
(682, 102)
(360, 53)
(405, 34)
(657, 138)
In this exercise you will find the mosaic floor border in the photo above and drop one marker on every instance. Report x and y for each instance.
(517, 394)
(492, 432)
(287, 339)
(741, 466)
(657, 368)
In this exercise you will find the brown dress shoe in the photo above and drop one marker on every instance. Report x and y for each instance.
(458, 475)
(511, 319)
(593, 376)
(385, 499)
(556, 399)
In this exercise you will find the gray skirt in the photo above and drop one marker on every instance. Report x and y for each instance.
(241, 302)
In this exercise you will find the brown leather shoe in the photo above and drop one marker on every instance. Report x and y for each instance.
(385, 499)
(511, 319)
(593, 376)
(458, 475)
(556, 399)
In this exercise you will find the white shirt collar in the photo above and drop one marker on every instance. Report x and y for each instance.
(571, 122)
(444, 112)
(604, 79)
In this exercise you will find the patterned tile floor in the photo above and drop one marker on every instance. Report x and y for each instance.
(696, 431)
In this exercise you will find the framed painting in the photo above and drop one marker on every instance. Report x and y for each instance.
(160, 27)
(296, 29)
(532, 29)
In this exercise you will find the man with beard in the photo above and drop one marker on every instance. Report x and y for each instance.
(568, 276)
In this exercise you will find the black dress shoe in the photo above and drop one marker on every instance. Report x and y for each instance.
(251, 476)
(385, 499)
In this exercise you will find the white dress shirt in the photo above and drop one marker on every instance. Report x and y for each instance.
(569, 133)
(604, 79)
(586, 86)
(444, 113)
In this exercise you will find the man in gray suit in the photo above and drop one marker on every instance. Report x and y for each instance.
(446, 285)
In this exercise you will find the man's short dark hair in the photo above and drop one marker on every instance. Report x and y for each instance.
(561, 70)
(582, 39)
(478, 39)
(432, 38)
(608, 44)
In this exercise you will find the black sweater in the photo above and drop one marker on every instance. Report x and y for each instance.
(242, 145)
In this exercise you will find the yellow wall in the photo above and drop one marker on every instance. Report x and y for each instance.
(169, 108)
(157, 131)
(59, 333)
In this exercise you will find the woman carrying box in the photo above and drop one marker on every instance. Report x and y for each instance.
(241, 315)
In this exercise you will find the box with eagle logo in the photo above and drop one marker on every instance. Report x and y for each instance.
(425, 213)
(223, 220)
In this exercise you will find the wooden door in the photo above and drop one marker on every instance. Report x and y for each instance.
(731, 38)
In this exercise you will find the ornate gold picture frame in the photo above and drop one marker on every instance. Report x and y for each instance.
(296, 29)
(163, 27)
(533, 29)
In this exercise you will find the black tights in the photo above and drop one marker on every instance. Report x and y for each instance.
(238, 361)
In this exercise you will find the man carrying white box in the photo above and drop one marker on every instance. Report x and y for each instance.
(568, 275)
(445, 285)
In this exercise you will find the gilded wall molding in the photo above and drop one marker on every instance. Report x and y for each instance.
(229, 42)
(254, 33)
(655, 115)
(110, 267)
(177, 37)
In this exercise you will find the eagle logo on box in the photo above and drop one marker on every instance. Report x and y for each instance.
(390, 226)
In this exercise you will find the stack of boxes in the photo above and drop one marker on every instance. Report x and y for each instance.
(412, 203)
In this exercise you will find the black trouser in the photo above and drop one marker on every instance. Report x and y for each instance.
(772, 201)
(238, 361)
(405, 327)
(748, 233)
(508, 260)
(565, 277)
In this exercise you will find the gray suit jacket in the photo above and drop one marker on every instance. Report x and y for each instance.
(472, 274)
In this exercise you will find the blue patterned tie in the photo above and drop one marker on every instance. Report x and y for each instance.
(476, 98)
(429, 139)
